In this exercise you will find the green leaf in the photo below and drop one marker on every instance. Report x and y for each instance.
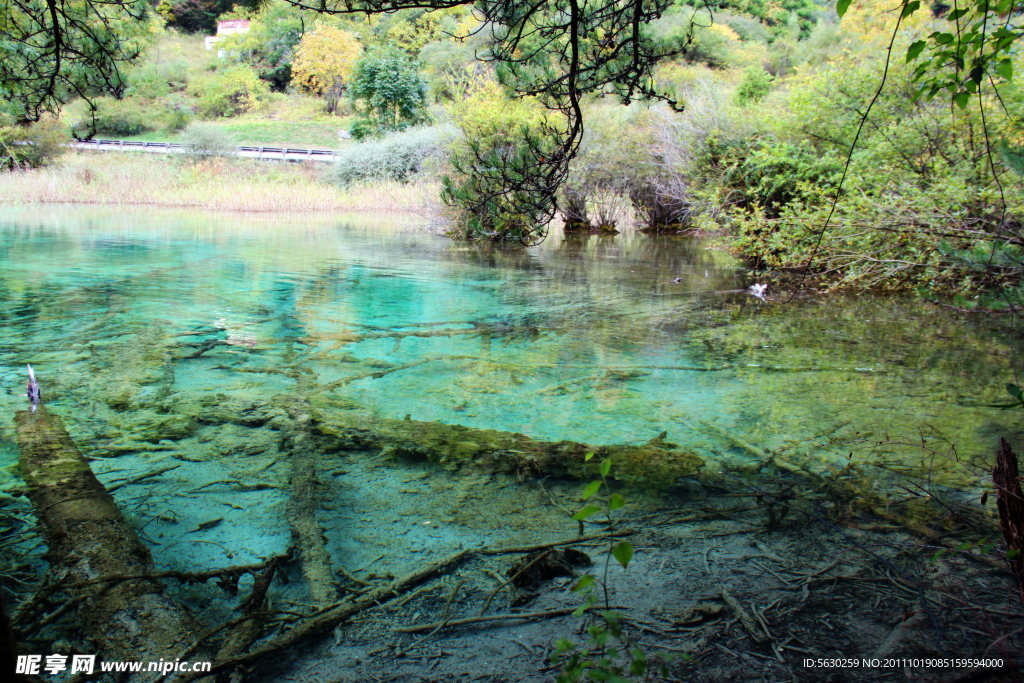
(910, 8)
(915, 49)
(564, 645)
(585, 581)
(1005, 69)
(1013, 554)
(623, 553)
(943, 38)
(1015, 391)
(639, 663)
(588, 456)
(961, 99)
(842, 6)
(606, 467)
(616, 501)
(591, 489)
(586, 512)
(957, 13)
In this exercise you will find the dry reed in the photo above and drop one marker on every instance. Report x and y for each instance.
(213, 183)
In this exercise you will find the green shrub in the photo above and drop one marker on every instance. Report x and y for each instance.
(918, 199)
(228, 92)
(755, 85)
(710, 43)
(748, 28)
(120, 118)
(207, 139)
(178, 113)
(401, 156)
(494, 183)
(152, 80)
(32, 146)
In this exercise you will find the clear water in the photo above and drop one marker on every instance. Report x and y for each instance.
(582, 339)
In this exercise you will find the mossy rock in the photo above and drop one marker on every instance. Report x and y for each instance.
(218, 408)
(151, 427)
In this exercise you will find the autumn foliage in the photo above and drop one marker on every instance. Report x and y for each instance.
(324, 62)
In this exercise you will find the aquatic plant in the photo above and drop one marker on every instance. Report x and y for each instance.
(611, 652)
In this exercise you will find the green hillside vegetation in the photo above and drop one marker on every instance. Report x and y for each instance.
(773, 95)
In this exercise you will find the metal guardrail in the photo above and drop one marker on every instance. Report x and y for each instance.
(248, 152)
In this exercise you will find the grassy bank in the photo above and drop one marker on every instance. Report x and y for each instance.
(214, 184)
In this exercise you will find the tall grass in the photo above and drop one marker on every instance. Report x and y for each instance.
(215, 184)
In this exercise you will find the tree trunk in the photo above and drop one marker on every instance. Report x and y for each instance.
(1010, 501)
(88, 539)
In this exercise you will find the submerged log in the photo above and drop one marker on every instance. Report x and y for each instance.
(657, 463)
(88, 539)
(304, 501)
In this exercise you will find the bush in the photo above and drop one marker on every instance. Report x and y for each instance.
(232, 91)
(33, 146)
(749, 29)
(918, 200)
(150, 80)
(178, 113)
(400, 157)
(497, 180)
(208, 139)
(120, 118)
(755, 85)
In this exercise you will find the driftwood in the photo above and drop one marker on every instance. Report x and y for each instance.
(245, 632)
(332, 615)
(304, 494)
(88, 539)
(1010, 501)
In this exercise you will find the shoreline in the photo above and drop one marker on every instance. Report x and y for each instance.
(211, 184)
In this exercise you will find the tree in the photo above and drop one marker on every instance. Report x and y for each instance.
(324, 61)
(393, 94)
(53, 51)
(557, 51)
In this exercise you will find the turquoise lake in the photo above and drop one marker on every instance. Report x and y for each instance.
(587, 339)
(183, 352)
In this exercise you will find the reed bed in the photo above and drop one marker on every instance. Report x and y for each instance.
(213, 183)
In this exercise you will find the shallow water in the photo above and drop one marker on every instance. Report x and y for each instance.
(582, 339)
(586, 339)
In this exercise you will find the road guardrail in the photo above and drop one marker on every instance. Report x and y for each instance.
(246, 152)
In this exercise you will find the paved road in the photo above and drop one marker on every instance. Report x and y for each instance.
(266, 153)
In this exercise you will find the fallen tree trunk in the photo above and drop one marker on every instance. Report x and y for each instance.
(88, 538)
(656, 463)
